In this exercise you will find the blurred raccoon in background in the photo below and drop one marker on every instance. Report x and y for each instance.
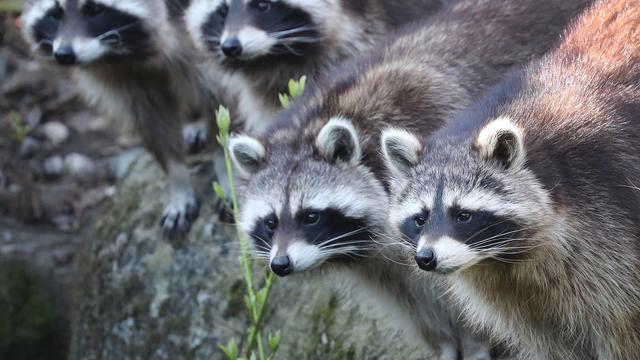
(263, 43)
(133, 60)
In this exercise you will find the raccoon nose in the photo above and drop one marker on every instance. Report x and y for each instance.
(426, 259)
(282, 266)
(232, 47)
(65, 56)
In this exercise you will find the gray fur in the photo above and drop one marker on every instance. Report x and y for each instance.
(157, 91)
(566, 177)
(346, 28)
(418, 79)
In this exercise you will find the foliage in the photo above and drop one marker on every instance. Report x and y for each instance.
(256, 299)
(296, 88)
(10, 6)
(19, 129)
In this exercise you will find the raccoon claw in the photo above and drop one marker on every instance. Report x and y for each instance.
(177, 218)
(196, 136)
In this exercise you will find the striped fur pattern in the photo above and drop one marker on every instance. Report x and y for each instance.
(322, 158)
(529, 203)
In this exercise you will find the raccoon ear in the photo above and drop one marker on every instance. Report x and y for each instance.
(501, 140)
(338, 140)
(248, 154)
(401, 150)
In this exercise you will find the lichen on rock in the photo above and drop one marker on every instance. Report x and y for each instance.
(139, 296)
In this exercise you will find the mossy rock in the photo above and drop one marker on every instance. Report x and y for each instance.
(142, 297)
(30, 324)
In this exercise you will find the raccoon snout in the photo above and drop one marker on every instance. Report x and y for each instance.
(65, 56)
(232, 47)
(426, 259)
(282, 266)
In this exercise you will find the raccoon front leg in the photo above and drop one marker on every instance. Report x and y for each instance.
(196, 135)
(161, 131)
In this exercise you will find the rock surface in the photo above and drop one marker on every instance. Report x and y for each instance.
(140, 297)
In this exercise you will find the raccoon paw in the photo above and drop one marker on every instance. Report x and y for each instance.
(178, 216)
(196, 136)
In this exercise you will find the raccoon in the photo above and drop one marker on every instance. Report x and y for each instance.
(314, 190)
(262, 44)
(130, 59)
(529, 202)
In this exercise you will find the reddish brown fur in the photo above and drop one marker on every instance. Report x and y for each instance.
(578, 295)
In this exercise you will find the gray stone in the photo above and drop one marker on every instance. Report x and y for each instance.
(142, 297)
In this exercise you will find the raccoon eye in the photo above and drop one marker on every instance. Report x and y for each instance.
(223, 10)
(263, 6)
(419, 220)
(93, 9)
(463, 217)
(271, 223)
(311, 218)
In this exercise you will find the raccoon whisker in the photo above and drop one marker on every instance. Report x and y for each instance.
(306, 40)
(510, 261)
(393, 243)
(397, 262)
(631, 185)
(351, 252)
(292, 50)
(283, 33)
(327, 242)
(342, 245)
(483, 230)
(265, 242)
(492, 238)
(113, 36)
(498, 244)
(393, 240)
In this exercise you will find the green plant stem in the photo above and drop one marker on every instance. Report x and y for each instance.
(261, 353)
(257, 323)
(9, 6)
(257, 313)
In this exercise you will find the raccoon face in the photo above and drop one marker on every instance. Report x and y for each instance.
(311, 205)
(80, 32)
(458, 204)
(243, 31)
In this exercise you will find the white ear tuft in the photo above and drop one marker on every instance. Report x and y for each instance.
(401, 150)
(503, 141)
(338, 140)
(248, 154)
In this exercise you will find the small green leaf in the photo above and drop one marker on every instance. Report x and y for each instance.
(231, 350)
(248, 303)
(223, 119)
(217, 188)
(284, 100)
(296, 88)
(274, 341)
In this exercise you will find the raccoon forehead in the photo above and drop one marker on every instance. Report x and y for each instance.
(139, 8)
(199, 12)
(352, 202)
(318, 9)
(35, 10)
